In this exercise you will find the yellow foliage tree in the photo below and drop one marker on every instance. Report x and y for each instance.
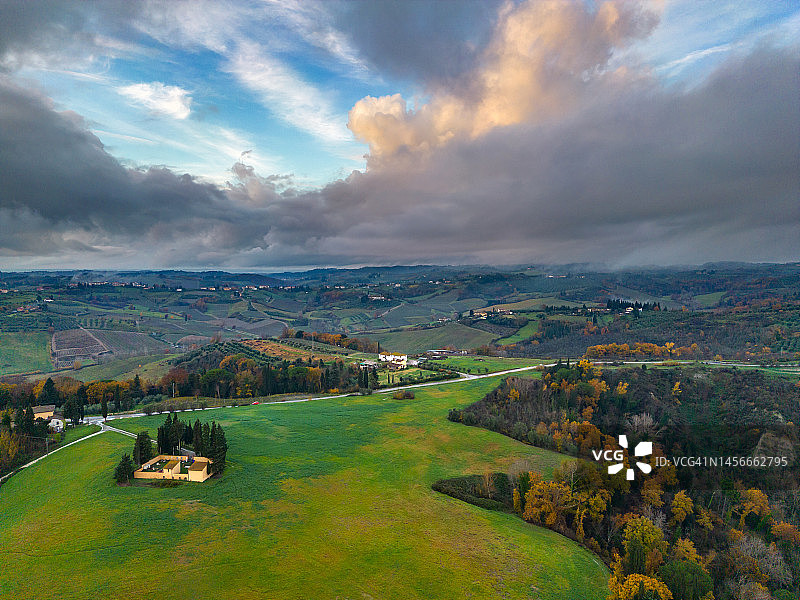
(754, 501)
(652, 493)
(621, 389)
(651, 538)
(684, 550)
(682, 507)
(786, 532)
(634, 584)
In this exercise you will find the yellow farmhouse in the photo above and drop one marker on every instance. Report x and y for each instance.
(166, 466)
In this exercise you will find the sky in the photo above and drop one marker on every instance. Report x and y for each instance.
(269, 135)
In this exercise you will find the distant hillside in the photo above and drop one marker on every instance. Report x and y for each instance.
(420, 340)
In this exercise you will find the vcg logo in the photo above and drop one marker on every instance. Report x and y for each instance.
(642, 449)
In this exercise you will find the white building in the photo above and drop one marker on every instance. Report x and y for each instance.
(398, 360)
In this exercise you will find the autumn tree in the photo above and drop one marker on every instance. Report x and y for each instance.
(682, 507)
(753, 502)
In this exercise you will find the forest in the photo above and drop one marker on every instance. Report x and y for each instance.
(679, 529)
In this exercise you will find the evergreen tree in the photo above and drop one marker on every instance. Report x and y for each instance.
(136, 388)
(72, 411)
(104, 407)
(206, 437)
(124, 471)
(197, 438)
(49, 394)
(219, 448)
(28, 422)
(19, 417)
(142, 448)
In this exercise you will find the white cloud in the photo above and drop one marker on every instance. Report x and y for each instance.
(287, 95)
(162, 99)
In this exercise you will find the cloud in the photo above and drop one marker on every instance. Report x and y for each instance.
(169, 100)
(540, 62)
(287, 94)
(54, 33)
(564, 160)
(427, 43)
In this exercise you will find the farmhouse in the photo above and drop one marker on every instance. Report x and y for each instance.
(44, 411)
(165, 466)
(394, 359)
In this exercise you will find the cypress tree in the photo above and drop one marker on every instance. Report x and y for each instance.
(206, 437)
(197, 438)
(124, 471)
(28, 422)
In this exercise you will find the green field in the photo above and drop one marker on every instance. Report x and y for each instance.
(708, 300)
(536, 304)
(150, 368)
(24, 352)
(321, 500)
(526, 331)
(486, 364)
(451, 334)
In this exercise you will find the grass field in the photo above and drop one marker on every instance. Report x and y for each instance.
(321, 500)
(708, 300)
(150, 368)
(24, 352)
(523, 333)
(487, 364)
(452, 334)
(536, 304)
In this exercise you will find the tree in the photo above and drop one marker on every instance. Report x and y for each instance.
(104, 408)
(219, 447)
(49, 394)
(142, 448)
(124, 471)
(755, 502)
(635, 557)
(197, 438)
(206, 437)
(72, 411)
(686, 579)
(682, 507)
(642, 529)
(641, 587)
(28, 422)
(136, 388)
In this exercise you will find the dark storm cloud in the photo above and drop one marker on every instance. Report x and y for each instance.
(629, 173)
(649, 176)
(645, 176)
(432, 42)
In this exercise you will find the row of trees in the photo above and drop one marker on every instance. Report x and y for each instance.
(204, 439)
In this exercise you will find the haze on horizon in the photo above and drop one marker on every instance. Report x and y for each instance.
(274, 135)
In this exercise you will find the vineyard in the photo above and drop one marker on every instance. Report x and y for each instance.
(286, 352)
(75, 344)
